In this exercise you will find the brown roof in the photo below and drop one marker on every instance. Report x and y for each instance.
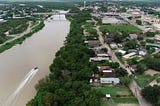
(104, 68)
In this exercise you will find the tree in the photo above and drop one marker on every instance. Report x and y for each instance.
(152, 94)
(141, 67)
(125, 80)
(131, 44)
(139, 22)
(120, 72)
(150, 34)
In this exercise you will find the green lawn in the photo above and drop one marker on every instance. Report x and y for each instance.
(4, 38)
(126, 100)
(114, 91)
(91, 30)
(143, 80)
(117, 100)
(113, 28)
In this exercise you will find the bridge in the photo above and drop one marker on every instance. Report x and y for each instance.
(52, 13)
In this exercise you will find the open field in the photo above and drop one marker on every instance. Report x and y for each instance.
(115, 28)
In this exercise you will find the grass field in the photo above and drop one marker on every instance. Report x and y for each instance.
(124, 28)
(126, 100)
(143, 80)
(114, 91)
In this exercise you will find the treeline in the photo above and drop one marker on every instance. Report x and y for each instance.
(68, 82)
(21, 39)
(12, 26)
(152, 94)
(149, 62)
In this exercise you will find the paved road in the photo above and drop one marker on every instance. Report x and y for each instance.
(137, 93)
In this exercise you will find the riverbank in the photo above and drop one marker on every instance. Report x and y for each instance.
(21, 39)
(37, 50)
(67, 84)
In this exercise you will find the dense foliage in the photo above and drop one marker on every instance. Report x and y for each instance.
(67, 84)
(152, 94)
(14, 26)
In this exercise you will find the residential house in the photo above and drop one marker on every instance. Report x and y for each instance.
(114, 81)
(93, 43)
(133, 36)
(129, 56)
(98, 59)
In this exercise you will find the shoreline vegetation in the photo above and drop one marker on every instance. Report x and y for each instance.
(21, 39)
(68, 81)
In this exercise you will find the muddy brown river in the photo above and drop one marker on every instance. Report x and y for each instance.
(37, 50)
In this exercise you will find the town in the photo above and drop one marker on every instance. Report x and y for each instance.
(111, 56)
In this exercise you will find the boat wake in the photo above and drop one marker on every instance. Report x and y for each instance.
(14, 96)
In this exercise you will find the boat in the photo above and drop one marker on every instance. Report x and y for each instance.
(35, 68)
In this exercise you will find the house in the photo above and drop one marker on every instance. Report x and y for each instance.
(113, 45)
(122, 52)
(93, 43)
(133, 36)
(101, 53)
(103, 67)
(108, 73)
(98, 59)
(129, 56)
(142, 52)
(114, 81)
(157, 37)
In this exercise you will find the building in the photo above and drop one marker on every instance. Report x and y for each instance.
(129, 56)
(122, 52)
(93, 43)
(157, 37)
(133, 36)
(108, 73)
(114, 81)
(98, 59)
(142, 52)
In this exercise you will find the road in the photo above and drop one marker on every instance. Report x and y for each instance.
(111, 52)
(133, 86)
(137, 93)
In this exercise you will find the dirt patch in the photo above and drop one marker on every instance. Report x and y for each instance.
(128, 104)
(151, 72)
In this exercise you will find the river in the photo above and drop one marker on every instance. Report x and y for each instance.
(38, 50)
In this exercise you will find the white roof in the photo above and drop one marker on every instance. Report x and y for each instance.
(98, 58)
(122, 51)
(107, 70)
(108, 95)
(129, 55)
(109, 80)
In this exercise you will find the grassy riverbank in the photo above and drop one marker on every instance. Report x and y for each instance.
(21, 39)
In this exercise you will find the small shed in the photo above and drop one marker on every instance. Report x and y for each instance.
(108, 96)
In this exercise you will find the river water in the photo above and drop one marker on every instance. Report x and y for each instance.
(37, 50)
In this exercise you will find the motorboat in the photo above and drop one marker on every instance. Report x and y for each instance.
(35, 68)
